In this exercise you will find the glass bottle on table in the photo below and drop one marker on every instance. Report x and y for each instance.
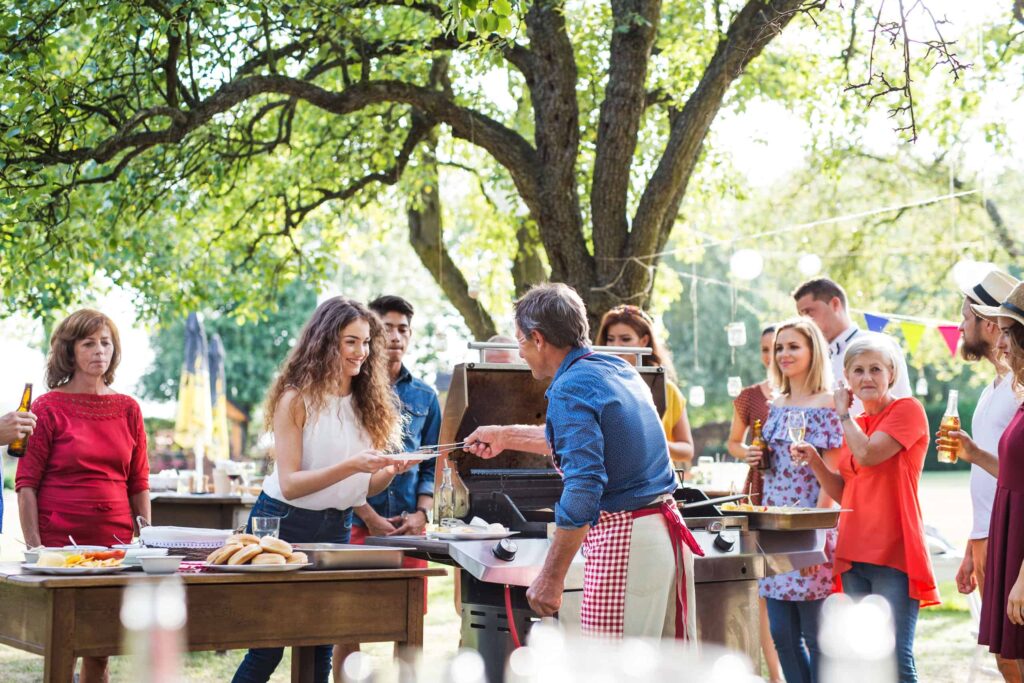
(949, 446)
(17, 447)
(446, 498)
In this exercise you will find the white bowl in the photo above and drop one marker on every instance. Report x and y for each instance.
(167, 564)
(85, 548)
(32, 555)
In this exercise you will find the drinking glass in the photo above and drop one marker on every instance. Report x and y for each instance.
(266, 526)
(796, 423)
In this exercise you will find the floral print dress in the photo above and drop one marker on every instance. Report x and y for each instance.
(786, 483)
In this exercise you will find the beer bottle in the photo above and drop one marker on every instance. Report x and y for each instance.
(948, 446)
(757, 441)
(17, 447)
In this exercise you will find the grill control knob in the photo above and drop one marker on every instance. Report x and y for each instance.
(505, 550)
(723, 542)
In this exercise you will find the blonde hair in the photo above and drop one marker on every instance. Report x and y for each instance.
(819, 374)
(873, 343)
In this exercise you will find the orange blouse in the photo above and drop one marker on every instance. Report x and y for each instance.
(885, 526)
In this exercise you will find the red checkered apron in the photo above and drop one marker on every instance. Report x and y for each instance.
(606, 549)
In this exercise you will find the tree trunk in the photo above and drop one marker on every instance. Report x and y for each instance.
(527, 268)
(426, 232)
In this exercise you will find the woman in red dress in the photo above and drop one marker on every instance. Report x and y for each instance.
(85, 472)
(1002, 607)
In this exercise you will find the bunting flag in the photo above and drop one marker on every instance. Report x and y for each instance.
(875, 323)
(951, 334)
(912, 332)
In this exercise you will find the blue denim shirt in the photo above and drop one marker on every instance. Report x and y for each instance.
(422, 414)
(607, 438)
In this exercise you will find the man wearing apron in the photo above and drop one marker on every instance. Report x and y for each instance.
(606, 439)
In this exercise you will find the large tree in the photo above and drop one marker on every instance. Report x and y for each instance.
(167, 143)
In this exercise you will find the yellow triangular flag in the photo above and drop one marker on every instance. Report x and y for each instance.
(912, 333)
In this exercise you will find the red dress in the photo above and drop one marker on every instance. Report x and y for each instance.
(750, 405)
(1005, 546)
(884, 526)
(85, 458)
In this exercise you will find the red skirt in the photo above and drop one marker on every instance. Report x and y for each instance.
(90, 522)
(1005, 555)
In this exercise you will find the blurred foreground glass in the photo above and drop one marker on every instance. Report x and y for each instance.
(553, 657)
(857, 640)
(266, 526)
(153, 615)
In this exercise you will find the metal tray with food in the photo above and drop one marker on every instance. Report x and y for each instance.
(349, 556)
(784, 518)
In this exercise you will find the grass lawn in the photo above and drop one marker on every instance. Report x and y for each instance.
(944, 647)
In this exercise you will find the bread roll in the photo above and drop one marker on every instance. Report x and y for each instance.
(222, 554)
(298, 557)
(243, 539)
(269, 558)
(247, 553)
(276, 545)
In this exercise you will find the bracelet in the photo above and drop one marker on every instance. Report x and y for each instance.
(843, 418)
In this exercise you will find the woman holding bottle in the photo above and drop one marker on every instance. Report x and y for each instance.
(628, 325)
(881, 548)
(803, 412)
(750, 407)
(333, 412)
(1002, 606)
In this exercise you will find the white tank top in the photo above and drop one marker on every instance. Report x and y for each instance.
(331, 436)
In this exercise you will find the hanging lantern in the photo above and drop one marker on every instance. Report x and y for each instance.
(809, 264)
(922, 386)
(737, 333)
(734, 386)
(746, 264)
(697, 396)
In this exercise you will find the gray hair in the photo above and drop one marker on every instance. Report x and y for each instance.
(873, 342)
(557, 312)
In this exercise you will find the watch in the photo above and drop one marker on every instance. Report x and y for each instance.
(425, 511)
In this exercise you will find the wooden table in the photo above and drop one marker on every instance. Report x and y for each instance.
(205, 511)
(65, 617)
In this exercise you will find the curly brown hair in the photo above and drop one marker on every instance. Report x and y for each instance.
(641, 323)
(1015, 358)
(314, 365)
(60, 363)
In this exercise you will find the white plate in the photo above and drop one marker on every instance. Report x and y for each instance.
(406, 457)
(470, 536)
(73, 571)
(257, 568)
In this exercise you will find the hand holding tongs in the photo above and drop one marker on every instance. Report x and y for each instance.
(441, 448)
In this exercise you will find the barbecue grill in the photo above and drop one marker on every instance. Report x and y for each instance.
(519, 490)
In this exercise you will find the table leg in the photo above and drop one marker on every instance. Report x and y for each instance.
(303, 663)
(59, 660)
(414, 613)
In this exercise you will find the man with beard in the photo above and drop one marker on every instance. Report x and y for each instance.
(993, 413)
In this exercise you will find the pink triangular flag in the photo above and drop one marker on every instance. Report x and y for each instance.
(950, 333)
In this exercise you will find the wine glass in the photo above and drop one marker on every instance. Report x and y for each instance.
(796, 424)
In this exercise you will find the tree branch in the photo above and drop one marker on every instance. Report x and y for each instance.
(752, 29)
(634, 28)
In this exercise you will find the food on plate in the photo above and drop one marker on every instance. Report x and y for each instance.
(223, 554)
(269, 558)
(242, 539)
(496, 528)
(748, 507)
(276, 545)
(92, 559)
(298, 558)
(245, 555)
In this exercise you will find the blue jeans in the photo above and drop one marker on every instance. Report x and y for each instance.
(298, 525)
(892, 584)
(794, 627)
